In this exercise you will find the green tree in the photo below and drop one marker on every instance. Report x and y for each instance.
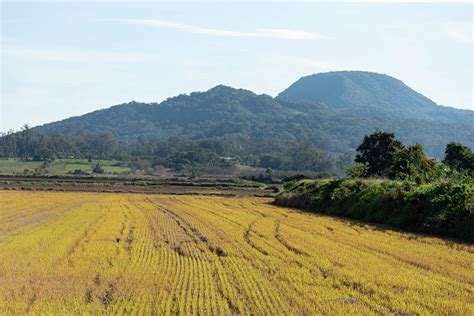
(411, 162)
(378, 152)
(459, 157)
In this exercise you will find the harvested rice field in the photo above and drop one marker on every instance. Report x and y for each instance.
(99, 253)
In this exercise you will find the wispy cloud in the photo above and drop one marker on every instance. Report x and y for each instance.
(279, 33)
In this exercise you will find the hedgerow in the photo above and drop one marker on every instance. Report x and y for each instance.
(444, 207)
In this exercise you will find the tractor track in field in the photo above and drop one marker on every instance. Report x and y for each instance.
(280, 238)
(191, 232)
(234, 309)
(247, 239)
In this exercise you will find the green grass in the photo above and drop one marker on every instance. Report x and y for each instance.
(69, 165)
(59, 167)
(13, 166)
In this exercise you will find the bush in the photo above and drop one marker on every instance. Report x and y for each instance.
(98, 169)
(443, 207)
(357, 170)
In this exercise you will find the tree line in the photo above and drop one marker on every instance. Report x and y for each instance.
(178, 153)
(379, 155)
(382, 155)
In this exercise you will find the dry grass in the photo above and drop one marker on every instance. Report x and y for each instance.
(112, 253)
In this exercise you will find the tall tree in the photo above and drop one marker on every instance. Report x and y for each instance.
(459, 157)
(378, 152)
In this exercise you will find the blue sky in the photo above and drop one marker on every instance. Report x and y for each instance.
(67, 58)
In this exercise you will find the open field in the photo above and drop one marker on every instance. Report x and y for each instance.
(59, 166)
(160, 254)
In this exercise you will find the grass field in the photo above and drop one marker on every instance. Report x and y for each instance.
(156, 254)
(13, 166)
(59, 166)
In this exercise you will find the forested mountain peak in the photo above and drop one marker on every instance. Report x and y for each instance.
(338, 87)
(226, 89)
(372, 94)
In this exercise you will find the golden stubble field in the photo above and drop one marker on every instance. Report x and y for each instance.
(95, 253)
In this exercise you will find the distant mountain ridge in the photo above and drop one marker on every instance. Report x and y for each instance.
(332, 110)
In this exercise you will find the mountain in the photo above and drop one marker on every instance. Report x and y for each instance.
(371, 94)
(326, 109)
(216, 112)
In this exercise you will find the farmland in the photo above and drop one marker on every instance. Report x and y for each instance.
(59, 166)
(163, 254)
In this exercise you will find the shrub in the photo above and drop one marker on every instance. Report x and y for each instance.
(98, 169)
(443, 207)
(357, 170)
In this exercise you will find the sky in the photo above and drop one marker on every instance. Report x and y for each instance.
(67, 58)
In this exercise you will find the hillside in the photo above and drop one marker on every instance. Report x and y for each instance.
(328, 115)
(220, 110)
(217, 112)
(374, 95)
